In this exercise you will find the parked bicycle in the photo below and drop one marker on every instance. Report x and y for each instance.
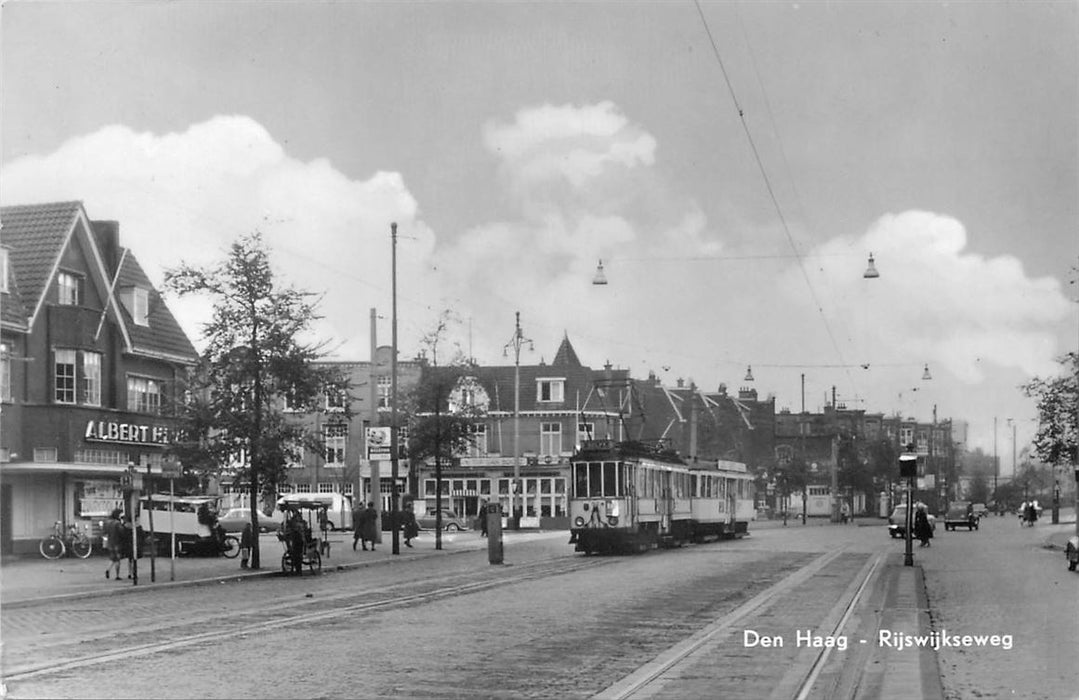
(59, 543)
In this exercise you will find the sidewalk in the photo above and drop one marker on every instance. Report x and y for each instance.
(29, 579)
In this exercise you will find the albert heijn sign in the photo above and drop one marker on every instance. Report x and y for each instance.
(127, 433)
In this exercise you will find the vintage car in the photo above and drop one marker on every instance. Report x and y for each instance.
(961, 514)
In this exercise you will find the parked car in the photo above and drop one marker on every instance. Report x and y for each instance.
(451, 522)
(897, 521)
(961, 514)
(235, 519)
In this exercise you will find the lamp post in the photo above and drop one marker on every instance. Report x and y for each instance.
(516, 342)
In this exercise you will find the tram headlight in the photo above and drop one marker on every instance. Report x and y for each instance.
(579, 522)
(613, 521)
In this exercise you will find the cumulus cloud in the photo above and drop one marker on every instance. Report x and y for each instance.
(583, 186)
(188, 195)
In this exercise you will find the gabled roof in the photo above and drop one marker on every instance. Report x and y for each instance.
(37, 235)
(163, 335)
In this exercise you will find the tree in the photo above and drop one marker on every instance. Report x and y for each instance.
(254, 359)
(442, 419)
(1058, 413)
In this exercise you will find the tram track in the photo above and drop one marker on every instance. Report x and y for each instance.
(655, 677)
(291, 611)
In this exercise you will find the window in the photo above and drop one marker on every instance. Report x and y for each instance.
(140, 312)
(5, 372)
(385, 387)
(67, 288)
(585, 431)
(303, 488)
(550, 389)
(326, 488)
(143, 395)
(348, 489)
(550, 438)
(335, 436)
(906, 437)
(478, 445)
(335, 399)
(64, 374)
(91, 378)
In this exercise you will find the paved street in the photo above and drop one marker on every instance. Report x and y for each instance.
(550, 623)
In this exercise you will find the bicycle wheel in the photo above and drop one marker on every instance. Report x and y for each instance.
(51, 547)
(231, 548)
(82, 547)
(316, 562)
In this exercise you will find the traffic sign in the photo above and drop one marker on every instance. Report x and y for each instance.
(172, 469)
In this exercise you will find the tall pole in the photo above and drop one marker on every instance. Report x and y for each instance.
(517, 425)
(516, 341)
(375, 494)
(996, 461)
(835, 461)
(394, 461)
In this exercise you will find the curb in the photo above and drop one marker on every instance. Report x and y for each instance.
(223, 578)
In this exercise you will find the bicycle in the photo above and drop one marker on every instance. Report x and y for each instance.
(60, 543)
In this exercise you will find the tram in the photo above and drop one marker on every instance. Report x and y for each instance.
(631, 497)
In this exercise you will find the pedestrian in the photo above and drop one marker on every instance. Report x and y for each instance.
(922, 529)
(844, 512)
(410, 527)
(127, 543)
(483, 519)
(369, 527)
(247, 541)
(358, 519)
(114, 540)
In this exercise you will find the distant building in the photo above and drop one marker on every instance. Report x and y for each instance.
(91, 363)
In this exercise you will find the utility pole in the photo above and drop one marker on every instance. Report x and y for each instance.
(394, 460)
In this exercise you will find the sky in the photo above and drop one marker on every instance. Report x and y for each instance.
(733, 165)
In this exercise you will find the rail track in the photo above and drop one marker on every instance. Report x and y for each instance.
(40, 659)
(659, 677)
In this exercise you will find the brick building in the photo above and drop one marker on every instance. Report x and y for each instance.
(90, 365)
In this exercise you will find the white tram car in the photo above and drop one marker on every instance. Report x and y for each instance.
(630, 497)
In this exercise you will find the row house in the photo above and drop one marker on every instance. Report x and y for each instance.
(703, 425)
(560, 405)
(91, 362)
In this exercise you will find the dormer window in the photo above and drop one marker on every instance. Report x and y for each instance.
(137, 302)
(550, 390)
(141, 307)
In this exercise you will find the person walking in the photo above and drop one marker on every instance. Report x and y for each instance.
(358, 519)
(410, 528)
(369, 527)
(114, 540)
(922, 529)
(483, 519)
(247, 541)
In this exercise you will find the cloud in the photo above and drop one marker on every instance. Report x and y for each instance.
(188, 195)
(583, 185)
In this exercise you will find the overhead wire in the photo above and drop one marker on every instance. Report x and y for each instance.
(768, 183)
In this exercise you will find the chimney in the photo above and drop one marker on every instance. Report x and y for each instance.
(107, 234)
